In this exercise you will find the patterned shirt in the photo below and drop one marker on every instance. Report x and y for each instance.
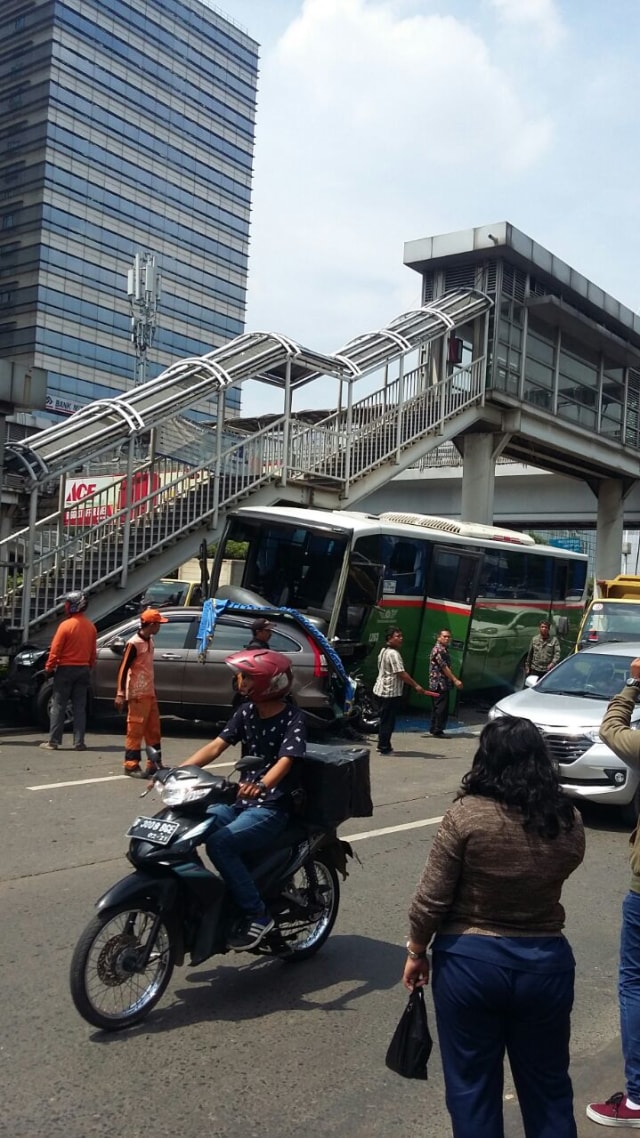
(279, 736)
(543, 653)
(389, 683)
(438, 660)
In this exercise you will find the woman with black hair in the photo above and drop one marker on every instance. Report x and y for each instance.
(503, 972)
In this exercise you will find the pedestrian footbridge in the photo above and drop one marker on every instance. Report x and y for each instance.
(508, 355)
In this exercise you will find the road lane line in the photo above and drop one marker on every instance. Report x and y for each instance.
(390, 829)
(106, 778)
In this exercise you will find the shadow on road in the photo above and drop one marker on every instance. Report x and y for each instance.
(349, 968)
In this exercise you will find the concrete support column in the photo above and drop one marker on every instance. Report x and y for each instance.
(609, 527)
(478, 478)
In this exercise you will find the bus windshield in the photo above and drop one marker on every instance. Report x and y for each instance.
(291, 565)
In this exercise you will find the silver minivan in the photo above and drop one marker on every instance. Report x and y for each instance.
(567, 705)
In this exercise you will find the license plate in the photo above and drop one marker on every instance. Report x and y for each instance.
(155, 830)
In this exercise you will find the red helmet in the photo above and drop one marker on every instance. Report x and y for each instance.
(268, 673)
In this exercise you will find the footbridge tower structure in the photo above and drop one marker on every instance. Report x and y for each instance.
(562, 372)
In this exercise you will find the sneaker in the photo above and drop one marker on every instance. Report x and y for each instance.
(48, 746)
(80, 746)
(614, 1112)
(134, 770)
(151, 769)
(250, 932)
(385, 750)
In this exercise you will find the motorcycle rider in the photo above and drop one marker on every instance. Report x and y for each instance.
(274, 731)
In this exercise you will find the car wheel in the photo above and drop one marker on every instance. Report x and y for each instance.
(42, 707)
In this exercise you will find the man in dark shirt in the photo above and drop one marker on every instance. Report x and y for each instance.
(441, 680)
(274, 731)
(261, 631)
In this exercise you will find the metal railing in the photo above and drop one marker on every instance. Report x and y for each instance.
(97, 542)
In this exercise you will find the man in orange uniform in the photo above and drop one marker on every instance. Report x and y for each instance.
(136, 688)
(70, 660)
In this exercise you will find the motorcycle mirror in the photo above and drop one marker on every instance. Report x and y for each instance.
(153, 754)
(249, 762)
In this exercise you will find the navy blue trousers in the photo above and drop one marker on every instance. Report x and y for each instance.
(483, 1010)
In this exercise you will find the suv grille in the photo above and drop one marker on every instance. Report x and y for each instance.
(567, 748)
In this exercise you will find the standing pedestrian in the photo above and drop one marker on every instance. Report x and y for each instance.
(136, 688)
(544, 651)
(70, 660)
(261, 630)
(388, 687)
(623, 1108)
(503, 973)
(441, 680)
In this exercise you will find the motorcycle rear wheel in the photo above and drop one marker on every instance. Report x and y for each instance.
(305, 938)
(106, 988)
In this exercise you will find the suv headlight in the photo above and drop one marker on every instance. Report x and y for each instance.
(29, 658)
(495, 712)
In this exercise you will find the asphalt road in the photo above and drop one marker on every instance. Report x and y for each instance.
(240, 1047)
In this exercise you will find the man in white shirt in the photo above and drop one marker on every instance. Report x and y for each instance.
(388, 687)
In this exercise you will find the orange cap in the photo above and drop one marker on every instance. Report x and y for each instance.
(152, 616)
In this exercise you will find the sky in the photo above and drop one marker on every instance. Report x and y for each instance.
(383, 121)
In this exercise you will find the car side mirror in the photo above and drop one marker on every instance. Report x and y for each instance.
(531, 681)
(117, 647)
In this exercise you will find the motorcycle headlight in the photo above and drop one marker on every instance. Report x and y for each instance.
(179, 793)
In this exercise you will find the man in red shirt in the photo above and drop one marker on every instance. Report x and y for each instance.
(70, 660)
(136, 688)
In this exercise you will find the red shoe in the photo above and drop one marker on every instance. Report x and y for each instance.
(614, 1112)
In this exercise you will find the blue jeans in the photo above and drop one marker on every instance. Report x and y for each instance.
(239, 832)
(629, 993)
(483, 1009)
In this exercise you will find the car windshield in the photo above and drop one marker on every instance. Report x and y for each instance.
(166, 593)
(589, 674)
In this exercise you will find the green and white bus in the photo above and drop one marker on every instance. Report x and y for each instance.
(355, 574)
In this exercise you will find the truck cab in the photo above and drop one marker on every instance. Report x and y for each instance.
(614, 613)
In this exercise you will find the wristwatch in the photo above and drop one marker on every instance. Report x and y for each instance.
(415, 955)
(632, 682)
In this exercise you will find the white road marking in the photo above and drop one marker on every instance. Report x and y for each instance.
(391, 829)
(347, 837)
(106, 778)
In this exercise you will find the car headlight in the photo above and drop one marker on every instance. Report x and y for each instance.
(495, 712)
(29, 658)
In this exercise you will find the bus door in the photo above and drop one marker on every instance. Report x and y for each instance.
(451, 591)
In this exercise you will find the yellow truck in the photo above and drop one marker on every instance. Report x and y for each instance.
(614, 613)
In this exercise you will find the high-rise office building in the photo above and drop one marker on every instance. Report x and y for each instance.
(125, 126)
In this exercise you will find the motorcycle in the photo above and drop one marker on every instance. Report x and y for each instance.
(173, 905)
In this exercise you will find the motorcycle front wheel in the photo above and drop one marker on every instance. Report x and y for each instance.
(108, 987)
(314, 888)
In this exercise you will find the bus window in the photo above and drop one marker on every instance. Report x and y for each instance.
(453, 575)
(404, 566)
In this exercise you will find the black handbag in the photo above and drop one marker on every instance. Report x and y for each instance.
(411, 1044)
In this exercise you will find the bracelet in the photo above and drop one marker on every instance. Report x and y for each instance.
(416, 955)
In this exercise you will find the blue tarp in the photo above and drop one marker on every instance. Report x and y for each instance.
(212, 609)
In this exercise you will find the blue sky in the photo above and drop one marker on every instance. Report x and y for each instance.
(381, 121)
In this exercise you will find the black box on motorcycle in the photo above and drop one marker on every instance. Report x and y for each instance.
(337, 785)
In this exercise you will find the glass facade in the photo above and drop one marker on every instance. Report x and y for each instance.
(547, 352)
(124, 127)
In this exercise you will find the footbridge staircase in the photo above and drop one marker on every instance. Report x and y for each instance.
(136, 526)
